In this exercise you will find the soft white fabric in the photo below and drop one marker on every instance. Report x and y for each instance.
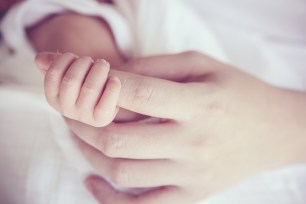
(275, 29)
(32, 11)
(39, 161)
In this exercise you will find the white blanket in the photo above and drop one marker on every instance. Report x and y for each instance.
(39, 162)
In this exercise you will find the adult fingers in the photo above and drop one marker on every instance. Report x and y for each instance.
(156, 97)
(132, 140)
(105, 194)
(129, 173)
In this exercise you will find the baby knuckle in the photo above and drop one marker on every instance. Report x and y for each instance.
(90, 86)
(102, 64)
(53, 101)
(65, 112)
(69, 78)
(98, 123)
(86, 58)
(113, 88)
(69, 55)
(102, 120)
(66, 85)
(52, 75)
(68, 111)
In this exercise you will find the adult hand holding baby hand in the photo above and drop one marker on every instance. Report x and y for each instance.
(88, 91)
(221, 126)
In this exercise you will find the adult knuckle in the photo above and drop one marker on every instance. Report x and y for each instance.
(110, 144)
(143, 94)
(120, 174)
(212, 110)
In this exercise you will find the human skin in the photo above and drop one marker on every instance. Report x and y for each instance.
(219, 127)
(67, 33)
(88, 91)
(232, 157)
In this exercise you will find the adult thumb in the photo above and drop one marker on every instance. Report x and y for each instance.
(43, 60)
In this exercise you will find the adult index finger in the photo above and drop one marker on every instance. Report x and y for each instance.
(155, 97)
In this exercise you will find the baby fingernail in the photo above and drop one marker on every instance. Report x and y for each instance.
(103, 61)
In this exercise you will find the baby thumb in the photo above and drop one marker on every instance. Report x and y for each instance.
(43, 60)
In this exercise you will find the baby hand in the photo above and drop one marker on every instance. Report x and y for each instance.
(80, 88)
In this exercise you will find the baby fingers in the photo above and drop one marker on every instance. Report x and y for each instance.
(80, 89)
(54, 76)
(97, 102)
(71, 85)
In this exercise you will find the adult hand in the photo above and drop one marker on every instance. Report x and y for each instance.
(220, 126)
